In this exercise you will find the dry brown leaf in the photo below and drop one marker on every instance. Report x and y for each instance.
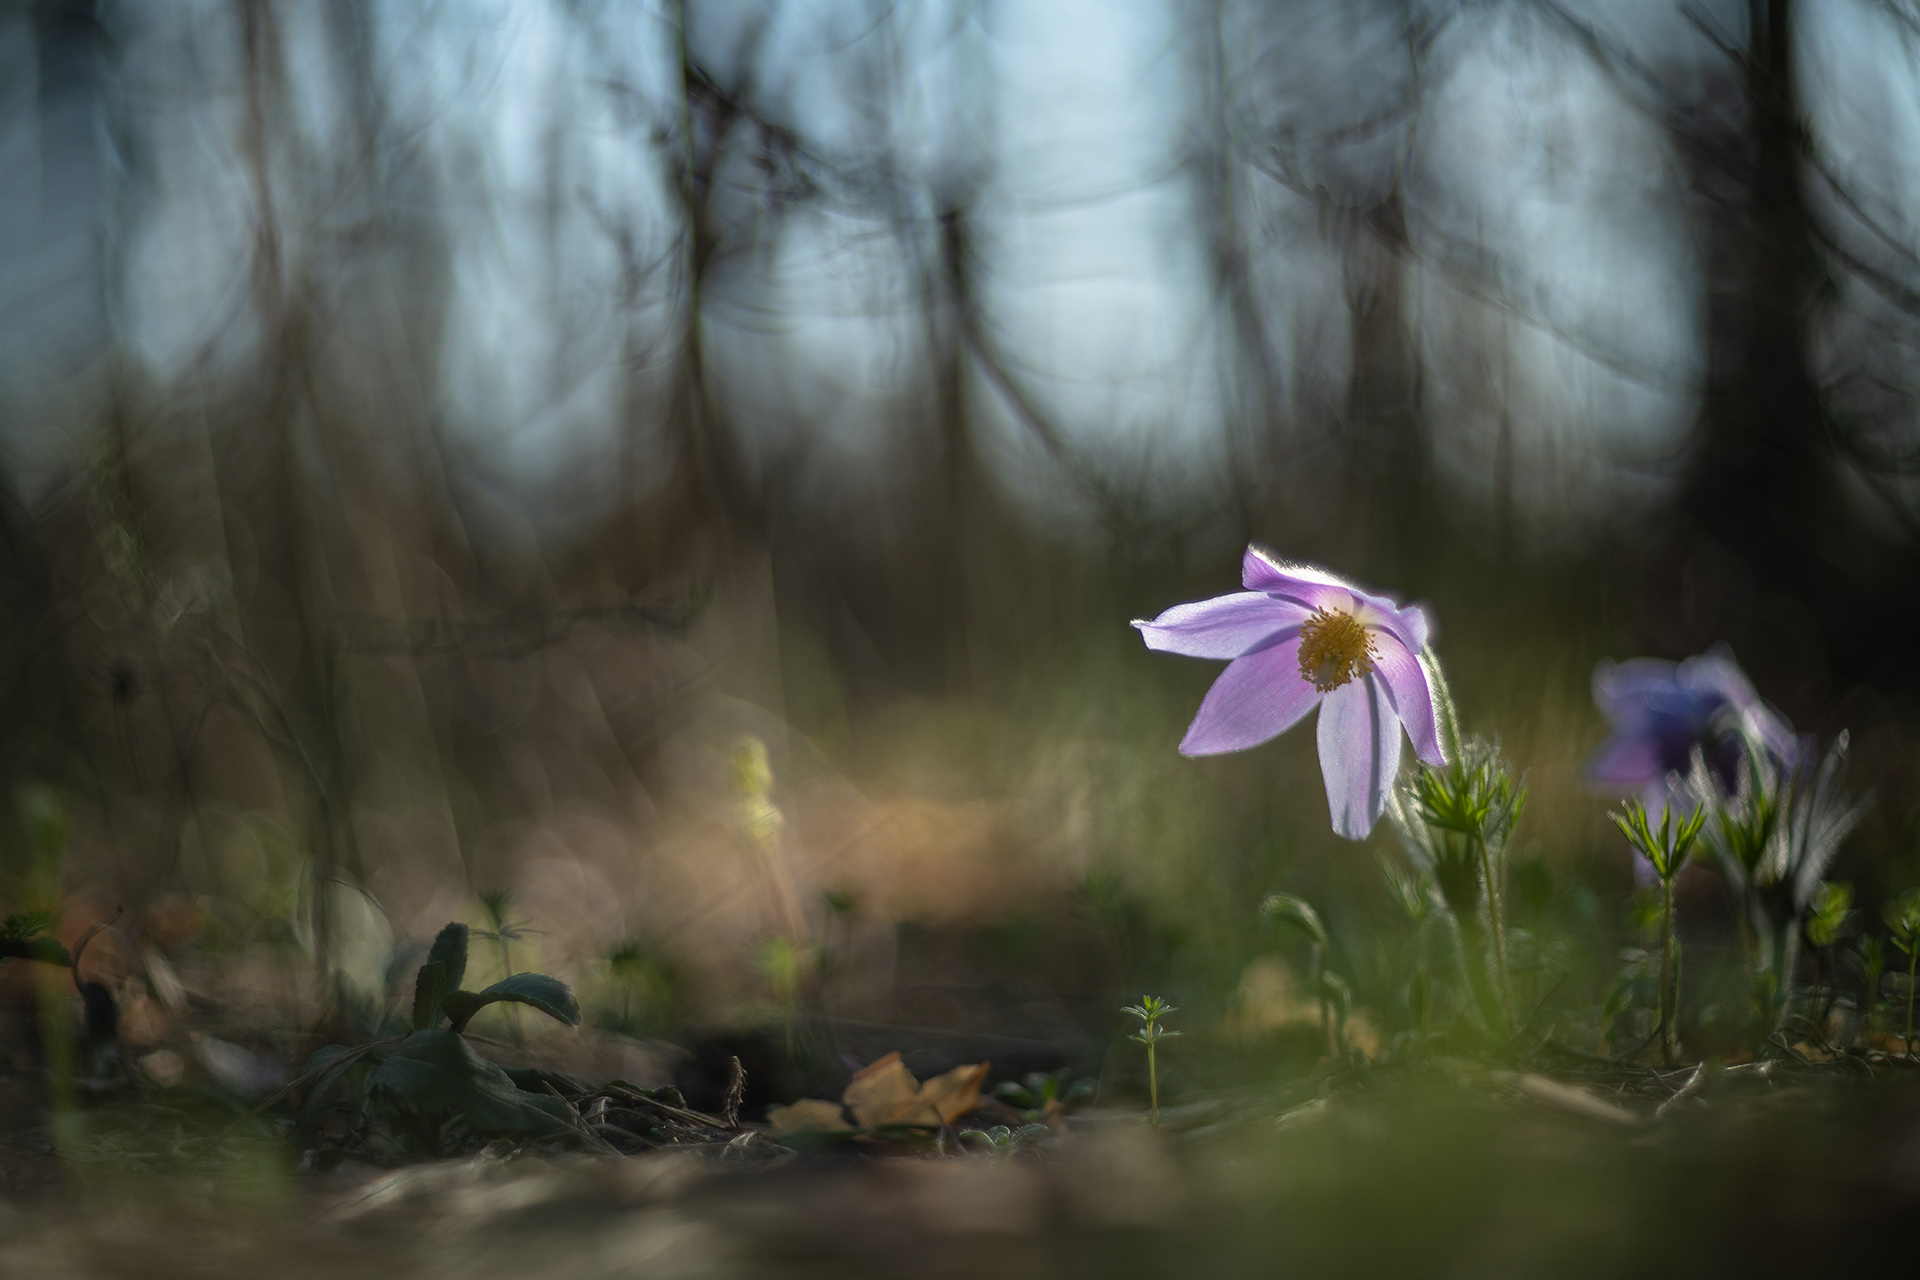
(957, 1092)
(809, 1115)
(885, 1092)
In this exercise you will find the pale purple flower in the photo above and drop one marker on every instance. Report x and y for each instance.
(1298, 638)
(1662, 712)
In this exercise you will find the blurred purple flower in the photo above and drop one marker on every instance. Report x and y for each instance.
(1662, 712)
(1298, 638)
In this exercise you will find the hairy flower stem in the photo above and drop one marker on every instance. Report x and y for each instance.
(1666, 973)
(1470, 940)
(1497, 925)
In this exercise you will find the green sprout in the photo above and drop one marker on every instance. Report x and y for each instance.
(1150, 1010)
(1667, 849)
(1903, 917)
(1827, 919)
(1001, 1141)
(1043, 1095)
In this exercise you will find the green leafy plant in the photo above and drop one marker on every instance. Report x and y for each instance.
(432, 1078)
(1827, 919)
(1150, 1010)
(1003, 1141)
(1667, 849)
(1456, 823)
(1774, 837)
(1041, 1096)
(1903, 918)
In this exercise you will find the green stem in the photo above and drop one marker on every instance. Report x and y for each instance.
(1153, 1083)
(1679, 957)
(1446, 716)
(1468, 939)
(1666, 970)
(1496, 922)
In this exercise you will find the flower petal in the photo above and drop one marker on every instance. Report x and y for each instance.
(1359, 754)
(1257, 697)
(1626, 761)
(1412, 698)
(1632, 691)
(1409, 625)
(1307, 584)
(1223, 627)
(1715, 676)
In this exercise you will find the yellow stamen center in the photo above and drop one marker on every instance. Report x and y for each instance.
(1334, 648)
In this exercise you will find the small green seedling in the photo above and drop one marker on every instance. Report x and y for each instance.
(1150, 1010)
(1903, 917)
(1827, 920)
(1001, 1141)
(1044, 1095)
(1667, 849)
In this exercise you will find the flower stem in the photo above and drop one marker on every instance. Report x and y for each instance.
(1497, 924)
(1446, 716)
(1468, 939)
(1666, 972)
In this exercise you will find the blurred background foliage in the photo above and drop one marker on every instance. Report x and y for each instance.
(666, 483)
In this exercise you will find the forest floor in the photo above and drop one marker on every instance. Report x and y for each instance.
(1432, 1167)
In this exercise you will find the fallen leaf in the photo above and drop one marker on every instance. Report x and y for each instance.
(809, 1115)
(885, 1092)
(955, 1093)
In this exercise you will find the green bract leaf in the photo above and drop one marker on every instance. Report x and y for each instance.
(437, 1070)
(1667, 847)
(549, 995)
(430, 991)
(450, 951)
(22, 925)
